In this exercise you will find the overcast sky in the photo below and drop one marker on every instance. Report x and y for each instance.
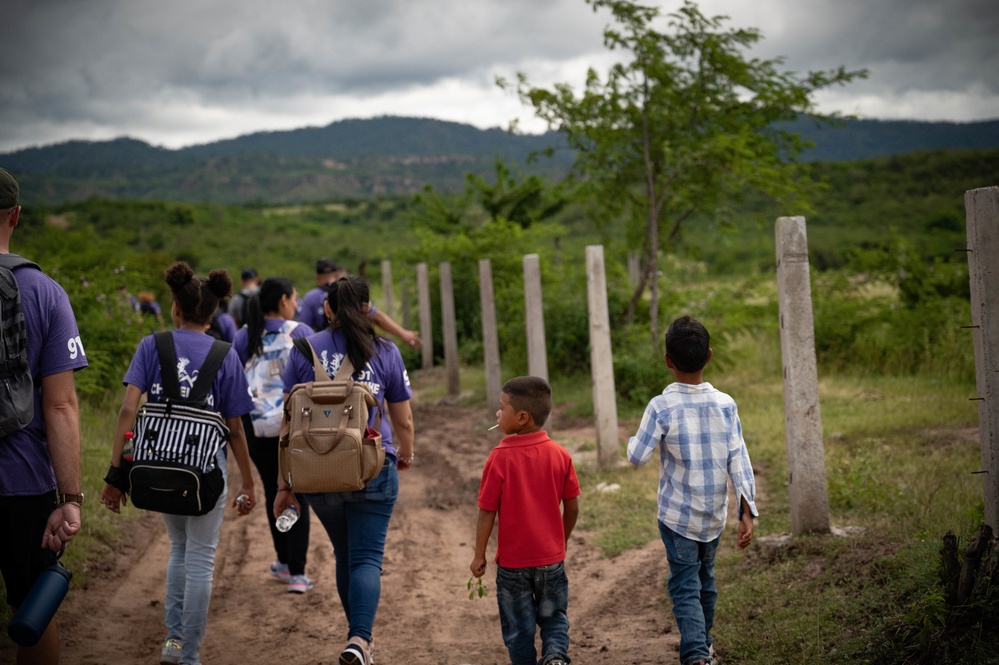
(180, 72)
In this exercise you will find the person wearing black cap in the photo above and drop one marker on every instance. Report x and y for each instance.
(40, 485)
(249, 284)
(313, 314)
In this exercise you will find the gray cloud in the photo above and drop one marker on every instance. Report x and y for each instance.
(190, 71)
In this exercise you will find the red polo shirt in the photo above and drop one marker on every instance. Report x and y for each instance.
(525, 480)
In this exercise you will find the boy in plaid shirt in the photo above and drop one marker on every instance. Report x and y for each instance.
(697, 431)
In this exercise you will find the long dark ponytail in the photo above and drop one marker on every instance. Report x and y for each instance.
(265, 301)
(348, 297)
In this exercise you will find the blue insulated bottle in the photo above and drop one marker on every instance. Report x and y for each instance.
(38, 608)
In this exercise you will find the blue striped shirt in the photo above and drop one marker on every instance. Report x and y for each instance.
(699, 436)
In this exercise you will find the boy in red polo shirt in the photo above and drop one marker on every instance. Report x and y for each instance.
(525, 479)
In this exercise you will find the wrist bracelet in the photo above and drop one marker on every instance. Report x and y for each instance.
(116, 478)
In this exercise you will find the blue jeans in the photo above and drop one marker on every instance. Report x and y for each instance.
(692, 589)
(530, 598)
(193, 541)
(357, 523)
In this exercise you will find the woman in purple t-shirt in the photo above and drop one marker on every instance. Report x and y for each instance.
(193, 539)
(266, 338)
(357, 522)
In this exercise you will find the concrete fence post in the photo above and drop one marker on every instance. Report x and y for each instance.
(387, 295)
(805, 453)
(634, 269)
(982, 210)
(490, 337)
(426, 320)
(537, 358)
(601, 358)
(450, 331)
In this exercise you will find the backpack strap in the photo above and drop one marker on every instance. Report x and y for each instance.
(206, 375)
(168, 365)
(11, 261)
(302, 344)
(209, 368)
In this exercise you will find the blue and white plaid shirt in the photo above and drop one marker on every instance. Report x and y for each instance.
(699, 436)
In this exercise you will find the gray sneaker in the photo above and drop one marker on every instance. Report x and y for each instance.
(170, 654)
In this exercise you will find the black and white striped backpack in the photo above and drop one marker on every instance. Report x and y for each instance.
(176, 440)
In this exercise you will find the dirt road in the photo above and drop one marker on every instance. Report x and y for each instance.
(425, 616)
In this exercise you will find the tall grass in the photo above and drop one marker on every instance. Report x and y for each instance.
(901, 453)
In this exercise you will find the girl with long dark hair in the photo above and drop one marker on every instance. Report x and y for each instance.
(357, 522)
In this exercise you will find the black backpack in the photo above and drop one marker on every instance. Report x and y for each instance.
(17, 394)
(176, 440)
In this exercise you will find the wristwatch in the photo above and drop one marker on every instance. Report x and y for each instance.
(71, 498)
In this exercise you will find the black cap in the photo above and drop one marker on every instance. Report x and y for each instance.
(248, 273)
(325, 267)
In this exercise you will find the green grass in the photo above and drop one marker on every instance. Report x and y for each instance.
(900, 456)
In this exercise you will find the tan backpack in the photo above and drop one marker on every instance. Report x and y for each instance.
(328, 446)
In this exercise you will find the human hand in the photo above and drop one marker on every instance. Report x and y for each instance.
(285, 497)
(244, 501)
(405, 457)
(745, 530)
(478, 566)
(411, 339)
(113, 498)
(63, 523)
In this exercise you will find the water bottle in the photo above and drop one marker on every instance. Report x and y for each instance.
(287, 519)
(40, 605)
(128, 451)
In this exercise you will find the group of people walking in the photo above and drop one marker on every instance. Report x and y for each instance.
(357, 522)
(529, 485)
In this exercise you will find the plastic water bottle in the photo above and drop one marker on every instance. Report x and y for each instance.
(40, 605)
(128, 451)
(287, 519)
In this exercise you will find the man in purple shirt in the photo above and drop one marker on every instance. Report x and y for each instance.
(40, 486)
(312, 313)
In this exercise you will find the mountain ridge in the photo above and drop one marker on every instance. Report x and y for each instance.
(385, 155)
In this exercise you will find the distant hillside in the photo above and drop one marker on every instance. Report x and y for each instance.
(388, 155)
(865, 139)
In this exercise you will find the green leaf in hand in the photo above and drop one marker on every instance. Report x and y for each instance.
(479, 590)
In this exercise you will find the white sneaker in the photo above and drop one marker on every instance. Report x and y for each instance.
(299, 584)
(280, 571)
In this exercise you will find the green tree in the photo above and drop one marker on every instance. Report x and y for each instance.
(515, 197)
(684, 126)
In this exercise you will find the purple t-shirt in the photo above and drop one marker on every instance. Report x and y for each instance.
(270, 325)
(230, 394)
(385, 374)
(227, 326)
(312, 313)
(54, 346)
